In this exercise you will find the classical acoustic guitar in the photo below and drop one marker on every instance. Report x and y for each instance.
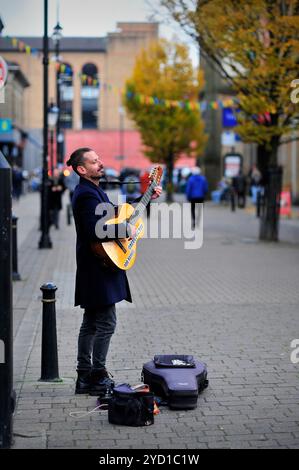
(121, 253)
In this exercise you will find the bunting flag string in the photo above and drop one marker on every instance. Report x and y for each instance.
(63, 68)
(184, 104)
(149, 100)
(85, 79)
(261, 118)
(90, 81)
(18, 44)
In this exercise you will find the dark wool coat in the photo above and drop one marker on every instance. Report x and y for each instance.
(96, 285)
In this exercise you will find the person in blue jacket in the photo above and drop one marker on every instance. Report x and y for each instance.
(196, 190)
(98, 287)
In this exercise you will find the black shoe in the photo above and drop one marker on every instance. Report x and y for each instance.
(83, 381)
(101, 383)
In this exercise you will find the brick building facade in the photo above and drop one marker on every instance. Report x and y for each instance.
(112, 59)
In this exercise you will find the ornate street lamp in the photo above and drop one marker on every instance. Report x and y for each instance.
(56, 36)
(45, 241)
(53, 113)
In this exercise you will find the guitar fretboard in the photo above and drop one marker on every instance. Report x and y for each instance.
(139, 209)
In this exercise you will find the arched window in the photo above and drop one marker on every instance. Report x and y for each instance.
(89, 96)
(66, 95)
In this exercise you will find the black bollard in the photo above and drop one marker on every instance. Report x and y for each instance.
(49, 361)
(7, 394)
(15, 274)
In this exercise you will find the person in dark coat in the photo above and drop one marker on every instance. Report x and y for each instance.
(98, 288)
(240, 186)
(56, 190)
(17, 182)
(196, 190)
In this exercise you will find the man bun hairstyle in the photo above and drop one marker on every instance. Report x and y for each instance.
(77, 158)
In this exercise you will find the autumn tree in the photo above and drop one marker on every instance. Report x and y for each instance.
(254, 44)
(161, 98)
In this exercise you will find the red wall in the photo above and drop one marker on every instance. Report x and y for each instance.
(107, 146)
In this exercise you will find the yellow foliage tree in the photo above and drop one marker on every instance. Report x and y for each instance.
(164, 72)
(255, 45)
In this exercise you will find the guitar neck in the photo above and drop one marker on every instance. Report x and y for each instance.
(143, 203)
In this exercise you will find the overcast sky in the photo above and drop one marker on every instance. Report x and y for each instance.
(81, 17)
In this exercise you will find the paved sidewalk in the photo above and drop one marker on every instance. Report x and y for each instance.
(233, 304)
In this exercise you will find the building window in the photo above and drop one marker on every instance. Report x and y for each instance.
(89, 96)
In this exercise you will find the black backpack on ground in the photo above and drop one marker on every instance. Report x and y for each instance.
(131, 406)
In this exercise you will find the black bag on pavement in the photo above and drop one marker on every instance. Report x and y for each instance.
(130, 406)
(177, 379)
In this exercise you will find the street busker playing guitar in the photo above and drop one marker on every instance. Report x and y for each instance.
(101, 279)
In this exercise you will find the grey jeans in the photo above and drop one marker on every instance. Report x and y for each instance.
(97, 328)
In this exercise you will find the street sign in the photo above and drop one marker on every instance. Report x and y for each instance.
(3, 72)
(229, 118)
(228, 138)
(285, 203)
(5, 125)
(232, 164)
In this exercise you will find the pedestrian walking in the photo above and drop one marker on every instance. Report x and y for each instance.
(239, 185)
(256, 187)
(17, 182)
(56, 190)
(196, 190)
(98, 287)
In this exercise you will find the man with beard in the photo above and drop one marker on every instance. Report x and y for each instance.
(98, 288)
